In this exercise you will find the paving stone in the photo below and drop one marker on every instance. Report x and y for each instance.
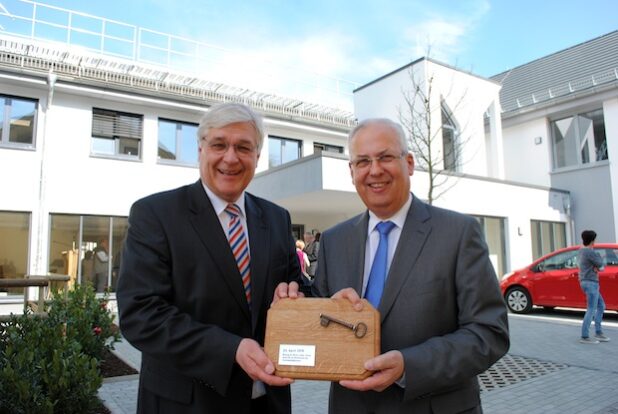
(547, 371)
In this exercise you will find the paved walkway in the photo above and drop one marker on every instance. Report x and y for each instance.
(546, 371)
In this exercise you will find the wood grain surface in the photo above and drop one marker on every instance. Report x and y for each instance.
(339, 354)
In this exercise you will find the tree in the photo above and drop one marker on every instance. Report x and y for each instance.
(434, 136)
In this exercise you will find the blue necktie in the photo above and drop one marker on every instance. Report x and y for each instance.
(377, 276)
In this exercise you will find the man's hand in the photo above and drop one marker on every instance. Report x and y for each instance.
(388, 368)
(351, 295)
(284, 290)
(254, 361)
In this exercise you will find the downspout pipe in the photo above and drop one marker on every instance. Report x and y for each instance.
(39, 267)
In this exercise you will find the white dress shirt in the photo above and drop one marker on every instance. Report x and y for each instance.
(373, 239)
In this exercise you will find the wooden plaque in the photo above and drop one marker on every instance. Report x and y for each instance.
(303, 343)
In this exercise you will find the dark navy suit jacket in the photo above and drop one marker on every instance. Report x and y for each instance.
(182, 304)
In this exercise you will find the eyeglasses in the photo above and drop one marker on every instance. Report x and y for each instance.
(384, 159)
(221, 147)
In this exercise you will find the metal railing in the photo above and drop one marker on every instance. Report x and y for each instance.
(94, 34)
(50, 281)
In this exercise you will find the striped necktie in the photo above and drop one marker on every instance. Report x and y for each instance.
(240, 247)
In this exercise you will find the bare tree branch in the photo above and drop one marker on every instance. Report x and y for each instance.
(423, 122)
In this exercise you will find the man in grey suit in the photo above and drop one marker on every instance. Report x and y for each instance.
(443, 320)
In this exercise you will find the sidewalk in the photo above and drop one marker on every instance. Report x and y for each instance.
(546, 371)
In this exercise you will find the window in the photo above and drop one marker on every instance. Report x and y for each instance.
(282, 150)
(450, 133)
(177, 142)
(564, 260)
(493, 230)
(17, 120)
(318, 148)
(116, 133)
(87, 248)
(14, 234)
(546, 237)
(609, 256)
(579, 139)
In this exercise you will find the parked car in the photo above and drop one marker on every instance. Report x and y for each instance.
(553, 281)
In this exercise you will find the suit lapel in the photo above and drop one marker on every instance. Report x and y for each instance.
(415, 231)
(208, 229)
(259, 240)
(356, 256)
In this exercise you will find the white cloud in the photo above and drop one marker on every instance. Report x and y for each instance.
(438, 38)
(444, 37)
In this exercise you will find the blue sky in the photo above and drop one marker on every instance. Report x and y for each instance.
(360, 40)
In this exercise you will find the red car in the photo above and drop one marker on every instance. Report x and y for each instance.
(553, 281)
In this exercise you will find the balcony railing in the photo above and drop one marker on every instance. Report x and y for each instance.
(190, 58)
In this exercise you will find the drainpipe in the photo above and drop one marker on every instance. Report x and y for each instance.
(42, 235)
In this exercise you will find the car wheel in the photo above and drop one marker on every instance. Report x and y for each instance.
(518, 300)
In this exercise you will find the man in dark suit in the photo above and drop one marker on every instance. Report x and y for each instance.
(192, 304)
(443, 320)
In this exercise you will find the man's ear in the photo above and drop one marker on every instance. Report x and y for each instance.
(410, 163)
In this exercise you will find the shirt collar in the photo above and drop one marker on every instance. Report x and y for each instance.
(399, 218)
(219, 204)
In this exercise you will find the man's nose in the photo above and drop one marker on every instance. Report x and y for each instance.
(375, 167)
(230, 153)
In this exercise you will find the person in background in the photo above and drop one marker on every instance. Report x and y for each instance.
(303, 260)
(101, 265)
(427, 271)
(307, 280)
(590, 263)
(311, 248)
(199, 267)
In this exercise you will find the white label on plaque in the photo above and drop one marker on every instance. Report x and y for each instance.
(302, 355)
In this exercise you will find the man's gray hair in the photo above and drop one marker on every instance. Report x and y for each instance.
(401, 135)
(225, 114)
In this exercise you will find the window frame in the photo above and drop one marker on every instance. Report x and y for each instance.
(557, 239)
(5, 134)
(320, 147)
(83, 234)
(450, 155)
(115, 135)
(575, 148)
(283, 140)
(178, 142)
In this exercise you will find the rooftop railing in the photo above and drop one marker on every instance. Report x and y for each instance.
(94, 34)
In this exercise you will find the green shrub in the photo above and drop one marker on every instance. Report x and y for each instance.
(50, 364)
(87, 319)
(43, 371)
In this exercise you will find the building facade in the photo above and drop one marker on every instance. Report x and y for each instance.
(85, 134)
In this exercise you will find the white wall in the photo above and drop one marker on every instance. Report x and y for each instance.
(527, 150)
(467, 96)
(20, 168)
(610, 110)
(80, 183)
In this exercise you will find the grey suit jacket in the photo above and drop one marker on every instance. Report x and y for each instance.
(441, 308)
(182, 303)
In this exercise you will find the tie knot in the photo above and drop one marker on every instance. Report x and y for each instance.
(385, 227)
(233, 210)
